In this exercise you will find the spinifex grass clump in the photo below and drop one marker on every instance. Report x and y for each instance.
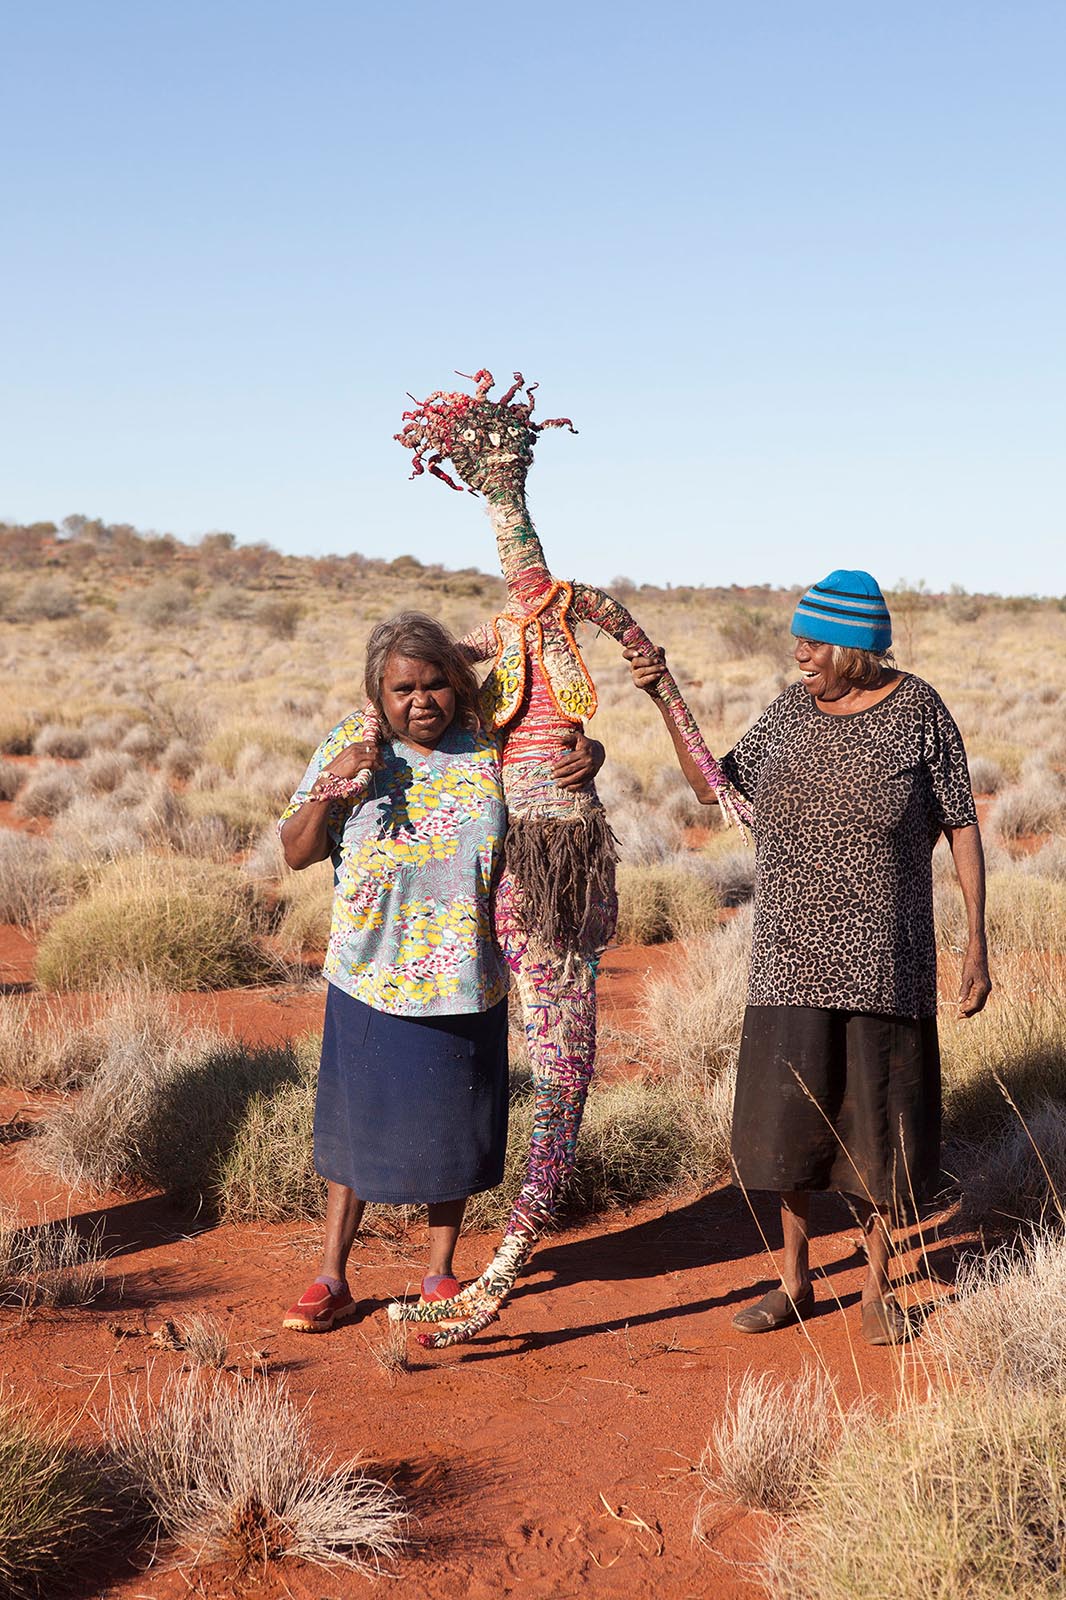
(227, 1470)
(161, 1117)
(180, 924)
(671, 900)
(49, 1506)
(771, 1443)
(964, 1495)
(48, 1263)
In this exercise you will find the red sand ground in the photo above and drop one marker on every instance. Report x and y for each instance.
(553, 1457)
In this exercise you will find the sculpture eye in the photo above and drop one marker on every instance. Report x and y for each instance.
(514, 432)
(494, 440)
(470, 435)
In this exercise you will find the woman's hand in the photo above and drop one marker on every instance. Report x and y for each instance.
(975, 985)
(579, 762)
(646, 670)
(365, 756)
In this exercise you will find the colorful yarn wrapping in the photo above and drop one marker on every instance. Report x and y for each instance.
(555, 912)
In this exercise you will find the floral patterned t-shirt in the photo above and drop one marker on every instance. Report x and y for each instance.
(413, 868)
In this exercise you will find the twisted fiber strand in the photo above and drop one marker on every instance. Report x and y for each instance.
(604, 611)
(560, 1011)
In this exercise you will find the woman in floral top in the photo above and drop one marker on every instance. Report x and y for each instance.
(411, 1104)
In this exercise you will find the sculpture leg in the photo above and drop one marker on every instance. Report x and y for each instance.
(558, 997)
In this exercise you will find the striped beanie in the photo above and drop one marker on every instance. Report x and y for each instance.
(846, 608)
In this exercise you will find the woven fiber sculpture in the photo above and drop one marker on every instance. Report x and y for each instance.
(555, 902)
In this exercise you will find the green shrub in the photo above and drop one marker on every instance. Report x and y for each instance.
(181, 924)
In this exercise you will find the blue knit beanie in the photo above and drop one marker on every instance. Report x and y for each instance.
(845, 608)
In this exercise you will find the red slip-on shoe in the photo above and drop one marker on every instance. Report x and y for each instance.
(446, 1289)
(318, 1309)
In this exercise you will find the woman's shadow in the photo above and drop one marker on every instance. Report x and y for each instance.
(722, 1226)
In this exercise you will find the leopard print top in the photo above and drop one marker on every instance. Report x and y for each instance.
(848, 809)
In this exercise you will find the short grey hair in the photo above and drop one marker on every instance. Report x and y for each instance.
(861, 667)
(412, 633)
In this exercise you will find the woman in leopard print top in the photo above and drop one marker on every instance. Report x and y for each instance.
(854, 773)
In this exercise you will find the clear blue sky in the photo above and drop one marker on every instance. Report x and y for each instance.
(797, 271)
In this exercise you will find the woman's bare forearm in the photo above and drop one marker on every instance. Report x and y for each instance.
(975, 984)
(305, 835)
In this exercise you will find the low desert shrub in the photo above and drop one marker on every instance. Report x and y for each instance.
(12, 777)
(962, 1495)
(95, 829)
(308, 900)
(48, 1263)
(50, 1512)
(241, 813)
(179, 759)
(670, 901)
(32, 888)
(162, 604)
(48, 791)
(278, 615)
(161, 1116)
(1036, 805)
(179, 924)
(106, 770)
(770, 1444)
(56, 739)
(731, 874)
(227, 1470)
(143, 741)
(17, 732)
(986, 775)
(46, 600)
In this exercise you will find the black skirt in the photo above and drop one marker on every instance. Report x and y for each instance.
(839, 1100)
(411, 1110)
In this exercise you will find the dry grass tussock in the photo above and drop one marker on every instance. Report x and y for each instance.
(50, 1512)
(1017, 1048)
(41, 1048)
(32, 885)
(771, 1443)
(962, 1495)
(692, 1015)
(1004, 1326)
(48, 1263)
(672, 900)
(227, 1470)
(180, 924)
(1036, 805)
(12, 776)
(1015, 1176)
(48, 791)
(159, 1113)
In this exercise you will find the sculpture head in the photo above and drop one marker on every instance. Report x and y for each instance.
(488, 442)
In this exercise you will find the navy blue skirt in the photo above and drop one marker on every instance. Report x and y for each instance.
(411, 1110)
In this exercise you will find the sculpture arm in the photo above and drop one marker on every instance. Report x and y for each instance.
(604, 611)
